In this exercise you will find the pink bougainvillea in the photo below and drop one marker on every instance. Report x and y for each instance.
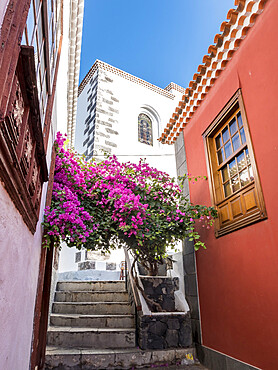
(102, 205)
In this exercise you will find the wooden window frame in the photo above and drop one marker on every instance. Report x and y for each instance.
(246, 205)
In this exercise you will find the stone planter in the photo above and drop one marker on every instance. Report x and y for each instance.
(161, 330)
(161, 290)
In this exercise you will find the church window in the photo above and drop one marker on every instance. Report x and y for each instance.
(145, 134)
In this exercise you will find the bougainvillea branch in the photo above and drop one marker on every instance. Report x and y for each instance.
(104, 205)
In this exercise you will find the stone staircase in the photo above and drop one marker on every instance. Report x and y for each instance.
(91, 315)
(92, 326)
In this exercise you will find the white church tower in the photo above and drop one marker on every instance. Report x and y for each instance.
(118, 113)
(121, 114)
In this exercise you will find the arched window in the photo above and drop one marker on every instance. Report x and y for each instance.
(145, 132)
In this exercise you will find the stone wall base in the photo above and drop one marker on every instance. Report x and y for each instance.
(161, 331)
(216, 360)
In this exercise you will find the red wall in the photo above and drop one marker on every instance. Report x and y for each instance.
(238, 273)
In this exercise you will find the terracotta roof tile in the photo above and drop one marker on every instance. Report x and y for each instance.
(233, 32)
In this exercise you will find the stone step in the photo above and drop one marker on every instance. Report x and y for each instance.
(90, 338)
(93, 321)
(93, 308)
(86, 359)
(110, 286)
(95, 296)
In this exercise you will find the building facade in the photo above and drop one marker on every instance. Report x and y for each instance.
(122, 114)
(118, 113)
(225, 128)
(33, 35)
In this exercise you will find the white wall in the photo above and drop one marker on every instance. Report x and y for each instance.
(20, 250)
(19, 258)
(132, 98)
(3, 6)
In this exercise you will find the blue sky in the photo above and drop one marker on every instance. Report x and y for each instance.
(157, 40)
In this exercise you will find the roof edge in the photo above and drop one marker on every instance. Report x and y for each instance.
(107, 67)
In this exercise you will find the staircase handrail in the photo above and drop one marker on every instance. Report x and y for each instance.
(134, 288)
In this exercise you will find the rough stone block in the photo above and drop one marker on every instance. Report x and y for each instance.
(172, 338)
(188, 247)
(196, 331)
(189, 263)
(102, 134)
(194, 307)
(87, 265)
(131, 360)
(155, 342)
(164, 356)
(97, 361)
(110, 131)
(110, 144)
(77, 257)
(158, 328)
(113, 120)
(185, 334)
(103, 123)
(107, 101)
(173, 324)
(182, 169)
(110, 266)
(180, 157)
(108, 79)
(113, 110)
(190, 285)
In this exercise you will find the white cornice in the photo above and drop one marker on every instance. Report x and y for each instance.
(75, 39)
(107, 67)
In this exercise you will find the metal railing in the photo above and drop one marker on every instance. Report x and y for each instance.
(135, 291)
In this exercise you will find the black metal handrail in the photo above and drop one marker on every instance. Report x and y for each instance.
(134, 288)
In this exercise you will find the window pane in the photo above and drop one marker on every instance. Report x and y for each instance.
(42, 66)
(233, 127)
(228, 149)
(35, 51)
(225, 134)
(44, 89)
(227, 189)
(247, 156)
(242, 134)
(220, 155)
(232, 168)
(49, 9)
(241, 161)
(235, 183)
(37, 4)
(39, 85)
(244, 178)
(218, 141)
(23, 40)
(30, 23)
(40, 31)
(225, 175)
(239, 119)
(251, 173)
(50, 35)
(236, 141)
(145, 129)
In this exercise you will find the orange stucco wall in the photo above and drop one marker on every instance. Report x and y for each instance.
(238, 273)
